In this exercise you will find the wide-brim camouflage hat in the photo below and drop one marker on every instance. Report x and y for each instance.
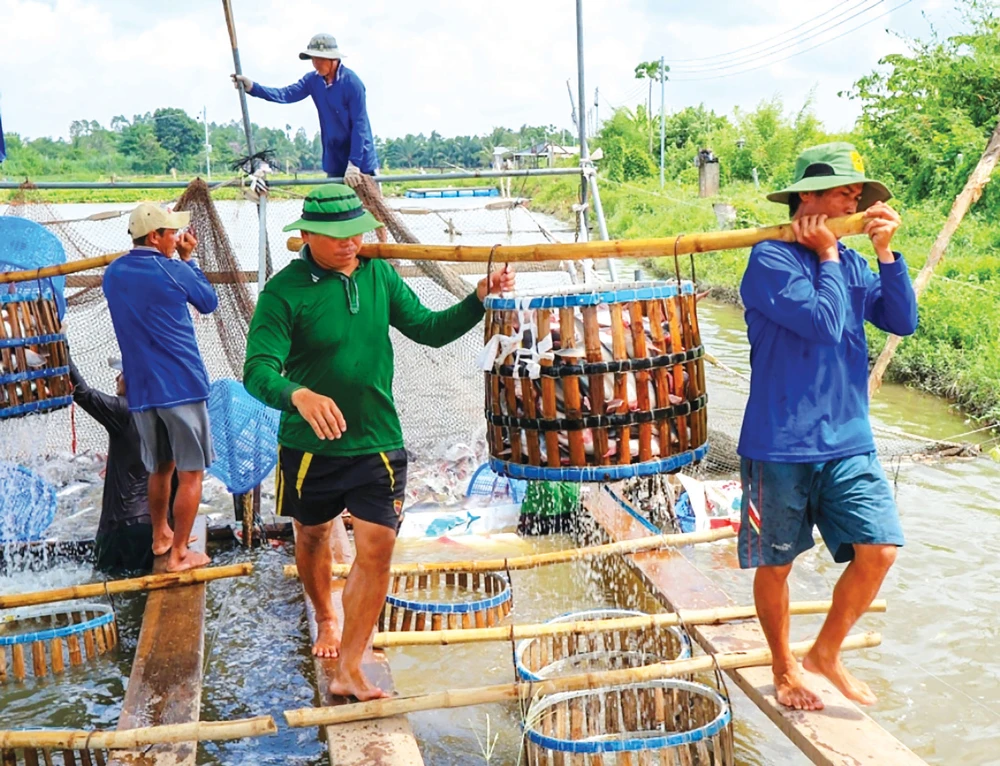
(828, 166)
(321, 46)
(334, 210)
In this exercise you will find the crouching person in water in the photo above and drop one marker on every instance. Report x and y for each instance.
(125, 531)
(807, 454)
(319, 350)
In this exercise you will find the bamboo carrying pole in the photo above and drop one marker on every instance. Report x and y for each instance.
(617, 248)
(512, 633)
(60, 269)
(148, 582)
(128, 739)
(541, 559)
(967, 198)
(384, 708)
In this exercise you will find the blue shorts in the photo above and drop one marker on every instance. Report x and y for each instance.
(849, 499)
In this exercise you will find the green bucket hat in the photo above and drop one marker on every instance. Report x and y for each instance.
(828, 166)
(334, 210)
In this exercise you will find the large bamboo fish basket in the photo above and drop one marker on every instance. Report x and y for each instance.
(34, 360)
(668, 722)
(595, 384)
(54, 636)
(440, 600)
(557, 654)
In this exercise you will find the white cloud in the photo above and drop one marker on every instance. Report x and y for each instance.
(451, 65)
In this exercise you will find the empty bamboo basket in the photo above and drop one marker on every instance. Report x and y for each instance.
(545, 657)
(34, 371)
(595, 385)
(43, 640)
(443, 600)
(657, 723)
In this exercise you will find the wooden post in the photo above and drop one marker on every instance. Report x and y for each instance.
(969, 196)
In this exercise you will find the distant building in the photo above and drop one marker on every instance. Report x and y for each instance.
(538, 156)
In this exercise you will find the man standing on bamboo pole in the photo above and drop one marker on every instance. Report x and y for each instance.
(807, 454)
(319, 350)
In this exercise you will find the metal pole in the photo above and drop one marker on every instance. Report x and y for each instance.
(662, 123)
(582, 122)
(208, 146)
(261, 242)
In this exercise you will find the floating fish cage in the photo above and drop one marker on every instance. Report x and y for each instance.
(445, 600)
(54, 637)
(667, 722)
(34, 360)
(595, 385)
(545, 657)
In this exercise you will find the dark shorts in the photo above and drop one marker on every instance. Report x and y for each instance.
(315, 489)
(126, 548)
(849, 500)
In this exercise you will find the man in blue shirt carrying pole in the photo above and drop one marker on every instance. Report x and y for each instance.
(339, 96)
(148, 293)
(807, 454)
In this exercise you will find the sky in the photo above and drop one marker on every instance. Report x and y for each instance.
(456, 66)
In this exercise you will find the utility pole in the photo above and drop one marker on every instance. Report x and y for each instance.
(597, 118)
(208, 146)
(582, 123)
(662, 124)
(572, 105)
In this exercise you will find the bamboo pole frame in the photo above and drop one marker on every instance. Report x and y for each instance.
(454, 698)
(60, 269)
(531, 561)
(511, 633)
(131, 585)
(682, 244)
(127, 739)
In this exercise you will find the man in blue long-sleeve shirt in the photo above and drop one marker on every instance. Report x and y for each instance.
(148, 293)
(807, 454)
(339, 96)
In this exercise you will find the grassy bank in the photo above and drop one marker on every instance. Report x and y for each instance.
(956, 350)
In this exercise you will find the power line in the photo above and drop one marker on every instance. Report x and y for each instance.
(796, 53)
(795, 31)
(776, 49)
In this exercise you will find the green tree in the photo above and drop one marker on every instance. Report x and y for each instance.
(650, 70)
(142, 149)
(179, 135)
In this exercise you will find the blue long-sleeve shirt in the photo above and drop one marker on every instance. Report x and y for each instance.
(808, 352)
(343, 118)
(148, 296)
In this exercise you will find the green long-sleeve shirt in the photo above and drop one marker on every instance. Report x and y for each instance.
(330, 333)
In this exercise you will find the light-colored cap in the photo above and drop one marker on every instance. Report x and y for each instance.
(115, 363)
(321, 46)
(149, 217)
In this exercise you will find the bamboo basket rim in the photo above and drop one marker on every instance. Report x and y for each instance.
(599, 473)
(600, 744)
(594, 294)
(434, 607)
(107, 616)
(605, 613)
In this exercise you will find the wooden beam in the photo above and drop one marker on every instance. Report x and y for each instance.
(386, 742)
(839, 735)
(165, 684)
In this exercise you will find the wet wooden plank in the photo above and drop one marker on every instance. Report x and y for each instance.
(839, 735)
(165, 684)
(385, 742)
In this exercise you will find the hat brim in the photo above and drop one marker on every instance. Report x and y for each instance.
(334, 54)
(177, 220)
(874, 191)
(338, 229)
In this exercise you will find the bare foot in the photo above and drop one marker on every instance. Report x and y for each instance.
(327, 639)
(191, 560)
(355, 685)
(837, 674)
(160, 547)
(791, 690)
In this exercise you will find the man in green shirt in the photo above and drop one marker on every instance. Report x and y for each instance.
(319, 350)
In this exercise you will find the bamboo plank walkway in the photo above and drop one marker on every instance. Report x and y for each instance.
(165, 684)
(385, 742)
(839, 735)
